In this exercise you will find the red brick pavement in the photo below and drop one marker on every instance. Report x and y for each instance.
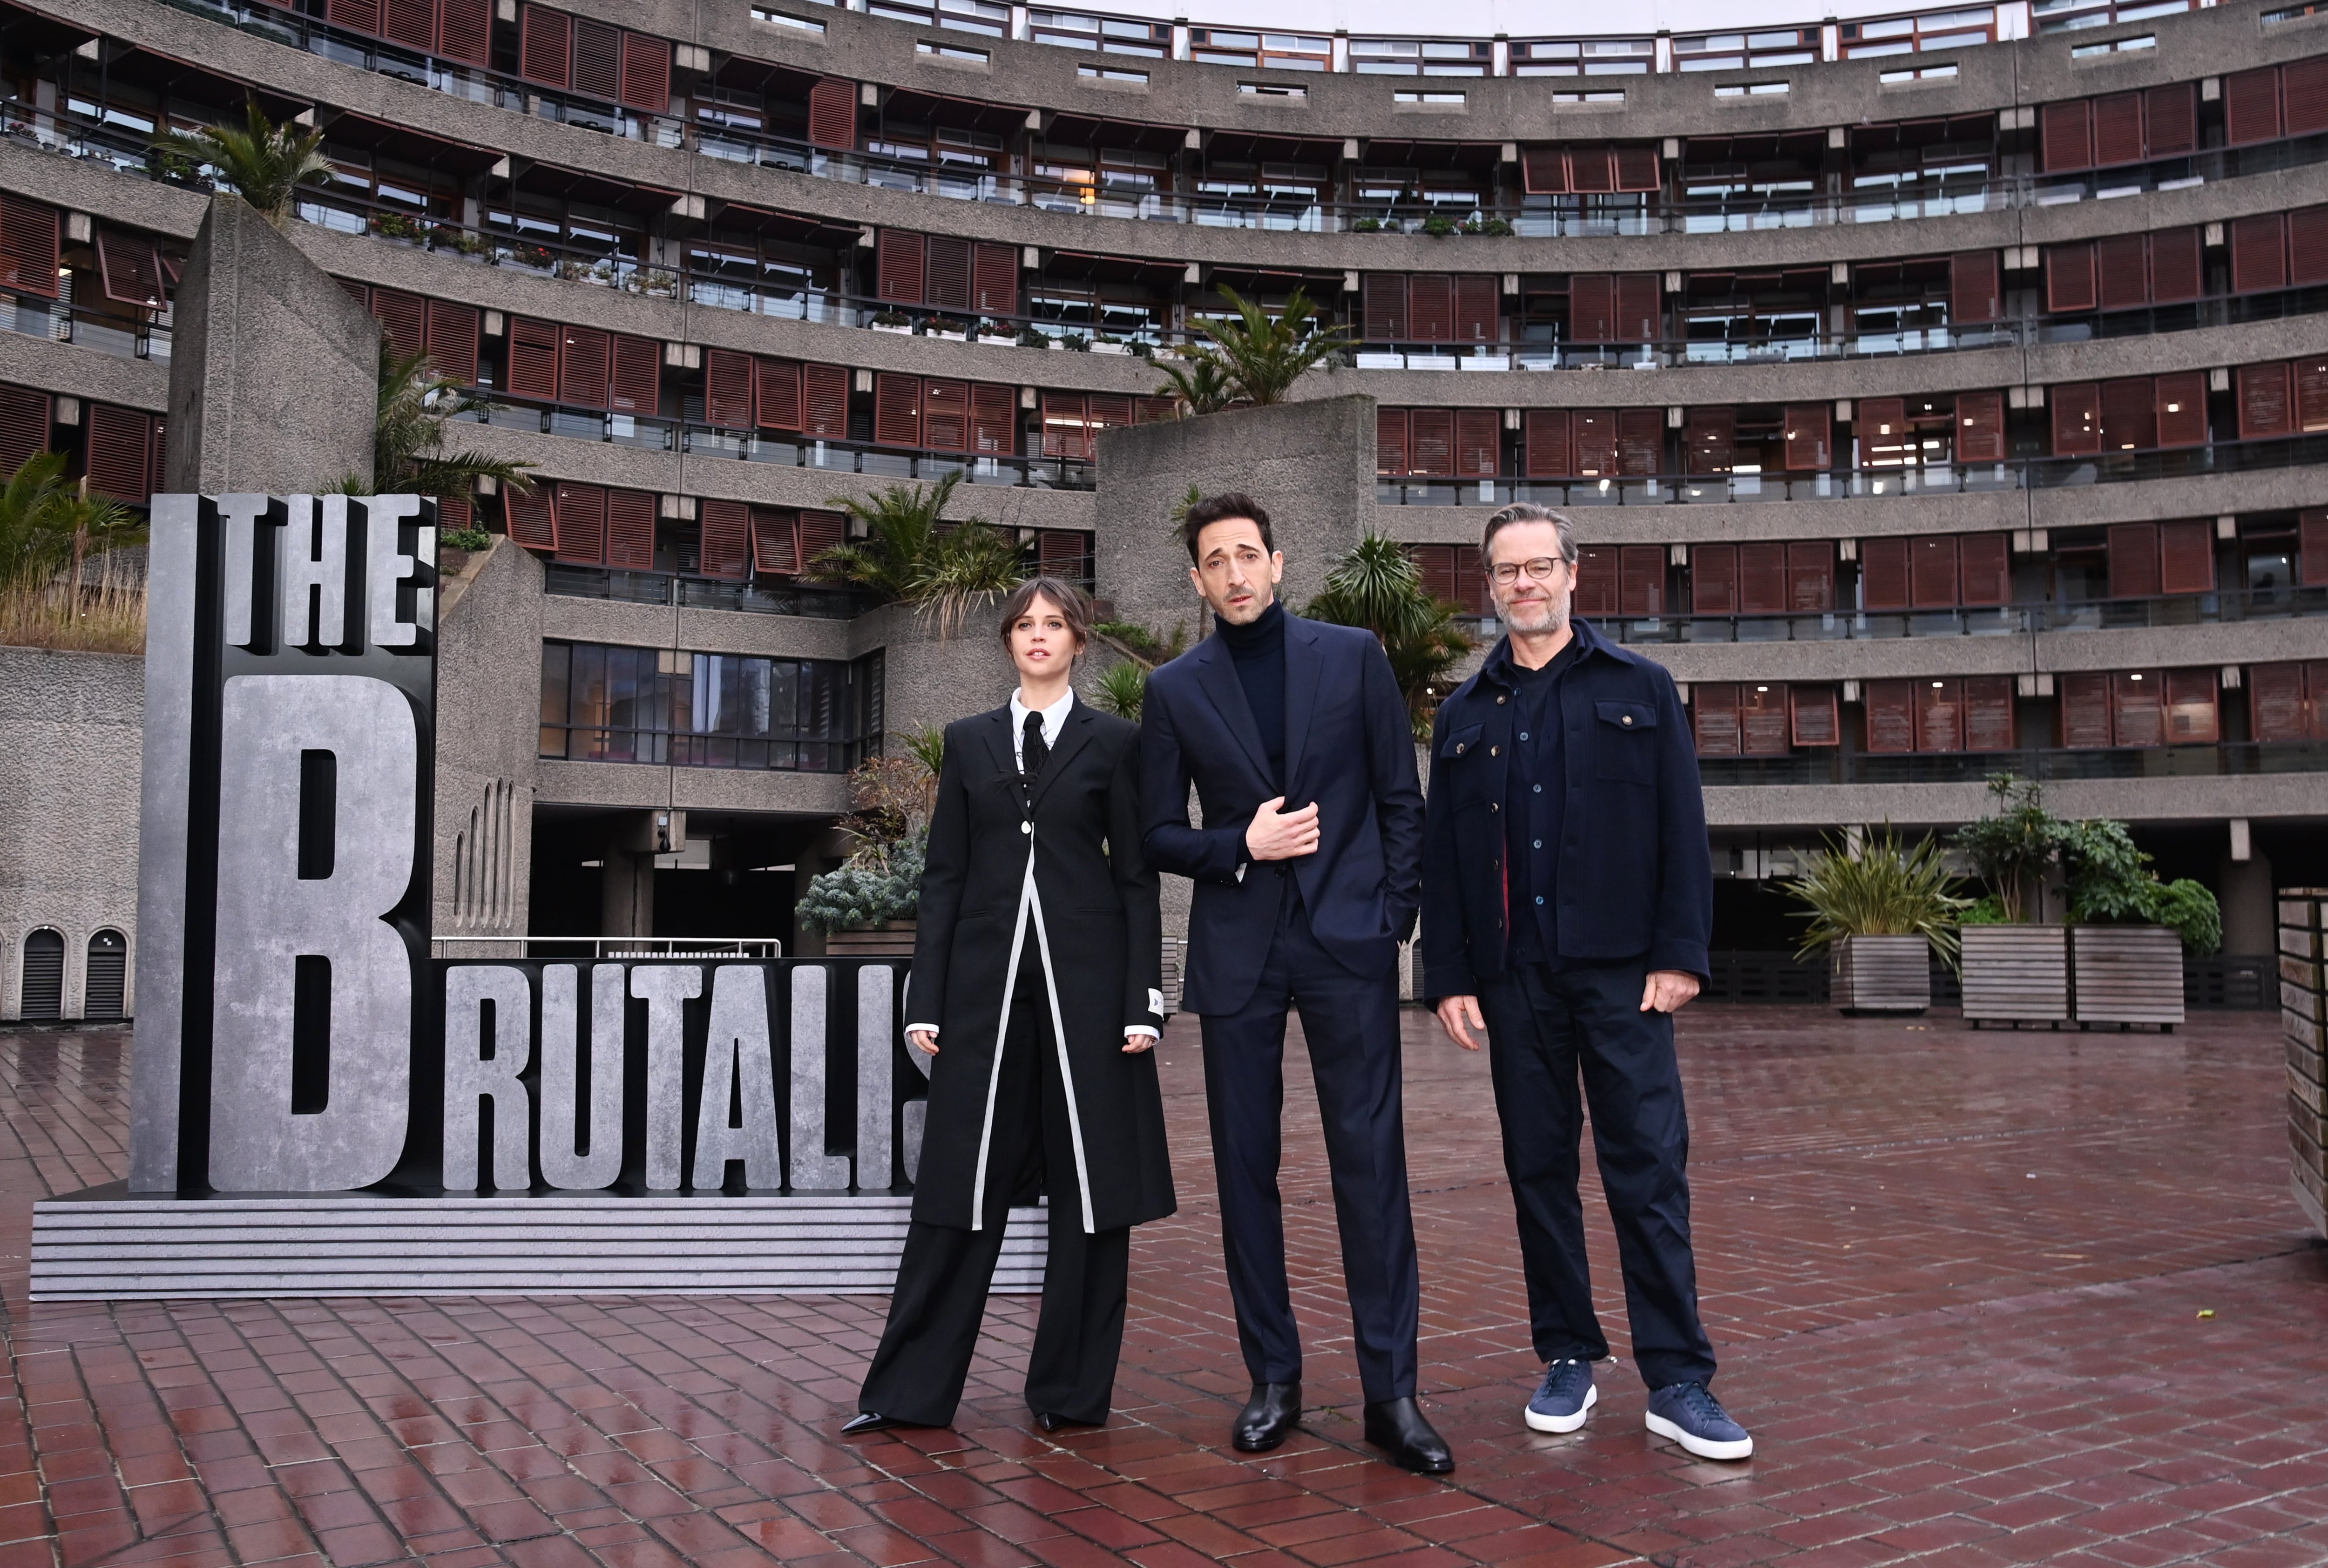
(1955, 1280)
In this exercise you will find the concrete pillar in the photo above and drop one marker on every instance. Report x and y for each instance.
(2251, 916)
(627, 892)
(274, 370)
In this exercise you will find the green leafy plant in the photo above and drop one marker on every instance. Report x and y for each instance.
(1366, 226)
(2011, 849)
(1375, 585)
(1121, 689)
(892, 798)
(1495, 227)
(1439, 228)
(1878, 888)
(1256, 359)
(399, 226)
(1200, 386)
(2110, 883)
(866, 893)
(408, 449)
(2192, 912)
(906, 558)
(468, 539)
(263, 162)
(1145, 643)
(48, 529)
(925, 744)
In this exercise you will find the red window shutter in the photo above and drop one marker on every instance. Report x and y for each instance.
(597, 59)
(2070, 282)
(897, 409)
(1596, 580)
(1985, 569)
(1814, 716)
(1592, 307)
(824, 400)
(898, 267)
(534, 357)
(363, 16)
(1544, 171)
(584, 369)
(727, 389)
(2191, 718)
(631, 531)
(1939, 716)
(776, 393)
(1637, 169)
(818, 532)
(2129, 415)
(1709, 440)
(945, 415)
(1390, 442)
(833, 113)
(2177, 274)
(1479, 442)
(545, 45)
(2307, 246)
(2137, 708)
(1762, 579)
(1975, 287)
(1477, 317)
(1431, 437)
(1471, 595)
(412, 22)
(1061, 553)
(2263, 405)
(1715, 709)
(1591, 171)
(1810, 576)
(2134, 560)
(1640, 442)
(1713, 580)
(1430, 307)
(2076, 419)
(1382, 296)
(131, 269)
(2259, 253)
(582, 524)
(995, 274)
(1066, 431)
(646, 73)
(1595, 435)
(723, 548)
(2311, 376)
(775, 541)
(2183, 409)
(2122, 271)
(2186, 558)
(994, 419)
(1763, 720)
(1988, 713)
(2172, 113)
(1883, 574)
(1809, 436)
(2117, 129)
(453, 341)
(1154, 410)
(1109, 411)
(159, 448)
(2067, 130)
(637, 375)
(2252, 107)
(1435, 564)
(1641, 580)
(2304, 85)
(1548, 454)
(455, 511)
(947, 283)
(2085, 709)
(1639, 307)
(403, 320)
(529, 518)
(24, 422)
(2312, 547)
(464, 31)
(1932, 572)
(1980, 428)
(120, 452)
(1890, 716)
(2275, 705)
(28, 246)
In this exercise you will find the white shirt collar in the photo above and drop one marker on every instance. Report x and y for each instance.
(1054, 717)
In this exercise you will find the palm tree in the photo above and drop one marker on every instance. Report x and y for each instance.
(1197, 386)
(1252, 358)
(407, 445)
(265, 162)
(907, 557)
(1376, 587)
(48, 526)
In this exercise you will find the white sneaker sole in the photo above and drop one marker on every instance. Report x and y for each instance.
(1563, 1422)
(1743, 1449)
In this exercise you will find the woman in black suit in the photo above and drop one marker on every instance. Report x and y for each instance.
(1036, 987)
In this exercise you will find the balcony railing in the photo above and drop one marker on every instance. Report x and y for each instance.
(777, 597)
(35, 316)
(2225, 759)
(1850, 625)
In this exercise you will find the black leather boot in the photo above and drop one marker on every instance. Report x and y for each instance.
(1396, 1427)
(1267, 1417)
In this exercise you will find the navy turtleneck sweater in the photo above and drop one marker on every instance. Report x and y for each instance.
(1259, 652)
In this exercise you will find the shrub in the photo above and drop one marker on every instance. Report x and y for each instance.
(1879, 889)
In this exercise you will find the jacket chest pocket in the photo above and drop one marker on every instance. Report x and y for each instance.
(1624, 741)
(1463, 760)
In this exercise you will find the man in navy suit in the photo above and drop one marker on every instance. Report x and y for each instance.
(1308, 873)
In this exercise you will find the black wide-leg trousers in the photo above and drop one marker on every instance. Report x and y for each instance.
(923, 1359)
(1547, 1027)
(1350, 1023)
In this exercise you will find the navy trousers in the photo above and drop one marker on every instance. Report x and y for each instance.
(1545, 1028)
(1351, 1024)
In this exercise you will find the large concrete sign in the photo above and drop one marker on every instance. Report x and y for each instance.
(318, 1107)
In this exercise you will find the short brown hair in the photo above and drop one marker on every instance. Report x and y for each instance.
(1220, 508)
(1526, 511)
(1074, 608)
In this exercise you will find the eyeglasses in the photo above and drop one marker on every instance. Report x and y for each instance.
(1541, 569)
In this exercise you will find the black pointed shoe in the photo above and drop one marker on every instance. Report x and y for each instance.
(857, 1425)
(1267, 1417)
(1050, 1423)
(1397, 1426)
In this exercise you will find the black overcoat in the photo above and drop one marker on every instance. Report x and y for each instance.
(1089, 912)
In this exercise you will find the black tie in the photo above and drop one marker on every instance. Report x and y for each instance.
(1033, 752)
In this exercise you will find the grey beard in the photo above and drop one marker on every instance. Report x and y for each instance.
(1555, 614)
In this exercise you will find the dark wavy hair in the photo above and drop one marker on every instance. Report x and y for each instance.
(1215, 509)
(1074, 608)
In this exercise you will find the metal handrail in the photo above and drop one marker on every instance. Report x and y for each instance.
(607, 947)
(1847, 624)
(1834, 765)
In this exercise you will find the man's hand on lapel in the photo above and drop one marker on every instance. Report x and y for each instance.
(1282, 835)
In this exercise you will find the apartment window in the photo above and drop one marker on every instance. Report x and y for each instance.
(950, 51)
(1108, 34)
(1419, 57)
(2288, 701)
(1766, 577)
(783, 19)
(1112, 73)
(601, 703)
(1584, 57)
(2138, 707)
(1738, 50)
(1914, 34)
(1948, 715)
(1935, 572)
(1763, 720)
(1451, 572)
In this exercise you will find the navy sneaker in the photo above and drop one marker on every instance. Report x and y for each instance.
(1567, 1393)
(1694, 1418)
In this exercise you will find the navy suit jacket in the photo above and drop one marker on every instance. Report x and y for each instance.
(1349, 747)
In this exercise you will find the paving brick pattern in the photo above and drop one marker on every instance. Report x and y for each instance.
(1957, 1282)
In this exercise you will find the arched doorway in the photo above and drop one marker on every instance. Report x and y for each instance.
(44, 993)
(107, 982)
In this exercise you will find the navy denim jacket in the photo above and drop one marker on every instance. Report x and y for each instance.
(1636, 876)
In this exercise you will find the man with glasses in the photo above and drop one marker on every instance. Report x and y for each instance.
(1567, 900)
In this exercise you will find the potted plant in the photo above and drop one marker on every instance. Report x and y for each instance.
(1438, 226)
(952, 331)
(1028, 338)
(2015, 968)
(1366, 226)
(866, 908)
(2128, 931)
(1109, 343)
(997, 331)
(896, 320)
(1881, 910)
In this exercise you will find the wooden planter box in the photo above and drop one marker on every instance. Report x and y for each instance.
(2016, 974)
(890, 939)
(1881, 974)
(2127, 974)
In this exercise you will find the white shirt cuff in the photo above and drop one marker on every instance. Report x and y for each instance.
(1142, 1030)
(931, 1028)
